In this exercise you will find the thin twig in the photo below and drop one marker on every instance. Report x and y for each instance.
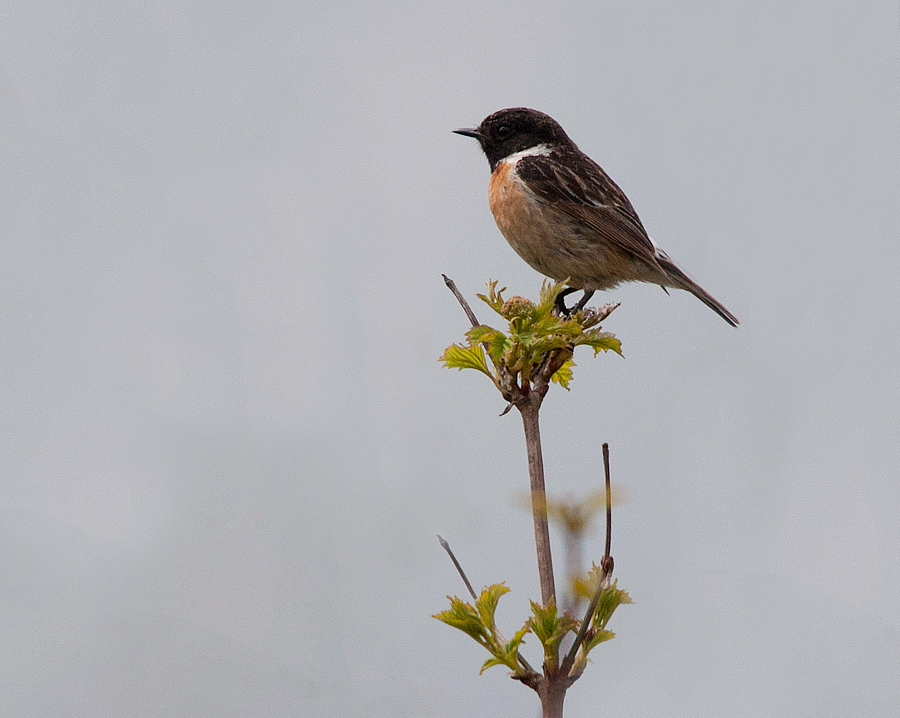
(451, 285)
(608, 500)
(459, 568)
(602, 585)
(462, 300)
(605, 573)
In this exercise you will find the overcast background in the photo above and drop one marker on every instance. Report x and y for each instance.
(228, 445)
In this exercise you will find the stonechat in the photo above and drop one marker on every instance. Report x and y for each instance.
(564, 215)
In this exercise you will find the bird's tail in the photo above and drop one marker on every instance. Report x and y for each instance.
(683, 281)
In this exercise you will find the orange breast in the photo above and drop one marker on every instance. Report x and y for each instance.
(507, 199)
(530, 227)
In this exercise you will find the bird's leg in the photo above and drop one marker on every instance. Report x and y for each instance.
(584, 300)
(561, 307)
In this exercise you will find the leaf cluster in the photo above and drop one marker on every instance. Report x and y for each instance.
(550, 629)
(535, 333)
(611, 597)
(478, 622)
(545, 623)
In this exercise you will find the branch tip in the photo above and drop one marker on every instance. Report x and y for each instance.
(459, 569)
(451, 285)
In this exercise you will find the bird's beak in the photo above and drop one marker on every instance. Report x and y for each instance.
(469, 132)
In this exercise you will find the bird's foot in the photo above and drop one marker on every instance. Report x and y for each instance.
(565, 311)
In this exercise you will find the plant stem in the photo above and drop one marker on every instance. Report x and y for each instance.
(529, 407)
(552, 694)
(608, 500)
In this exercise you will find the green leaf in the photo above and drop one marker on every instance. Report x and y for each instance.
(550, 628)
(595, 638)
(600, 341)
(543, 621)
(512, 645)
(463, 616)
(497, 340)
(610, 600)
(494, 298)
(494, 662)
(457, 356)
(549, 293)
(564, 375)
(487, 604)
(550, 324)
(482, 333)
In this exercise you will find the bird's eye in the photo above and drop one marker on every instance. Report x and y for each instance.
(503, 132)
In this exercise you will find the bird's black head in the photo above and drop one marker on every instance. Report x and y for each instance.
(513, 130)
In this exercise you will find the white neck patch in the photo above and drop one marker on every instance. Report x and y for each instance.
(530, 152)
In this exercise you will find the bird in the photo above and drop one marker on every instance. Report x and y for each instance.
(565, 216)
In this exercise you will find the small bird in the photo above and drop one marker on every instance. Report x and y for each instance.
(564, 215)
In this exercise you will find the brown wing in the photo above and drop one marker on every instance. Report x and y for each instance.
(576, 185)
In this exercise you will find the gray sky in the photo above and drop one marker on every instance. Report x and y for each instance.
(229, 444)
